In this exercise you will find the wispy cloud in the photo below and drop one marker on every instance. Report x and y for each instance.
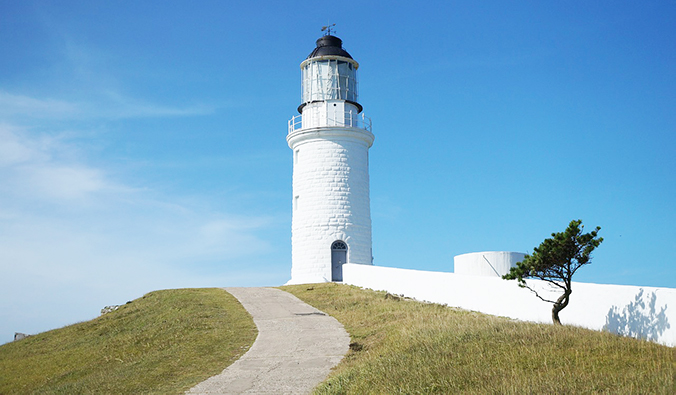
(12, 105)
(121, 106)
(36, 181)
(72, 236)
(82, 81)
(33, 168)
(106, 104)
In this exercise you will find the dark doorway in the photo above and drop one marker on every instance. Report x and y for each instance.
(338, 257)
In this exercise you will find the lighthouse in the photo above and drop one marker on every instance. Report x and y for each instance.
(330, 140)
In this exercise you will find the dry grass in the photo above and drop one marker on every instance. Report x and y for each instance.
(162, 343)
(411, 347)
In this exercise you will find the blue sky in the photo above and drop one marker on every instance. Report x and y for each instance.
(142, 144)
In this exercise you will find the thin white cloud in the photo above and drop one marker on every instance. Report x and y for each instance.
(12, 105)
(34, 168)
(121, 106)
(34, 176)
(107, 104)
(72, 236)
(12, 149)
(82, 84)
(65, 182)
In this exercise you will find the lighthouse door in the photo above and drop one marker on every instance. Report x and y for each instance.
(338, 257)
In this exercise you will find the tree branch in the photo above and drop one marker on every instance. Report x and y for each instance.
(536, 293)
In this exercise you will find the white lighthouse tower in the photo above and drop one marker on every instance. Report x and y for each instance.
(330, 140)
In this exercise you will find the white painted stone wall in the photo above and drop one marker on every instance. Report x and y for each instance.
(487, 263)
(642, 312)
(330, 198)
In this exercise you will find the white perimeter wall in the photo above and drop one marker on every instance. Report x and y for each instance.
(643, 312)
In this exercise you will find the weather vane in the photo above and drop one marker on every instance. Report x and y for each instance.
(328, 27)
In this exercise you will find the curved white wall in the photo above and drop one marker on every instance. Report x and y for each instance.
(487, 263)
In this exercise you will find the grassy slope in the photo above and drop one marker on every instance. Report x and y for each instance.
(411, 347)
(164, 342)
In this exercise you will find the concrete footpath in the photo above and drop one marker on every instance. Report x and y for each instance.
(296, 347)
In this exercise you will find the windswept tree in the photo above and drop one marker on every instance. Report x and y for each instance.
(555, 261)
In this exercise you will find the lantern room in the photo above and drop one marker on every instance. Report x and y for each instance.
(329, 73)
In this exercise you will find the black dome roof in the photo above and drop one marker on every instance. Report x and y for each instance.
(329, 45)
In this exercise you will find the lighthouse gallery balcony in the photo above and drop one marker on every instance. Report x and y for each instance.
(322, 117)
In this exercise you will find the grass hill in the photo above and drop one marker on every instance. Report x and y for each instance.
(168, 341)
(408, 347)
(162, 343)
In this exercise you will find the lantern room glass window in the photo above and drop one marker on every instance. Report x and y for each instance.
(329, 79)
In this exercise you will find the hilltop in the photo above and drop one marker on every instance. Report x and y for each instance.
(167, 341)
(162, 343)
(404, 346)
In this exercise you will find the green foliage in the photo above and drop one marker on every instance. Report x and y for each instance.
(408, 347)
(556, 260)
(162, 343)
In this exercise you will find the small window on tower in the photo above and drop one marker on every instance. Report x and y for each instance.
(295, 203)
(295, 157)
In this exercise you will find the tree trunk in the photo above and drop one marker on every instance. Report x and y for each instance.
(555, 314)
(560, 304)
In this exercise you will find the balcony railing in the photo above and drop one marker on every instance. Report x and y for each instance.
(350, 119)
